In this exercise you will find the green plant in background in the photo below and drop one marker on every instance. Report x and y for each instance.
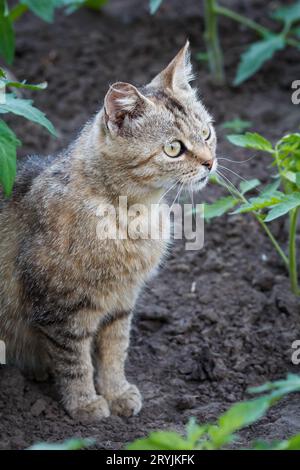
(219, 435)
(210, 436)
(236, 125)
(44, 9)
(71, 444)
(10, 103)
(257, 53)
(280, 198)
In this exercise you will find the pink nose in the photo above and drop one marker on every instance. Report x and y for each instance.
(208, 164)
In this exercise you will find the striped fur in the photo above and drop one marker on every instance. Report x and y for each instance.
(64, 292)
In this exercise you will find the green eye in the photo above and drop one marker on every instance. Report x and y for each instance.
(206, 132)
(174, 149)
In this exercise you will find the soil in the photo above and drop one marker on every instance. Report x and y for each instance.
(194, 351)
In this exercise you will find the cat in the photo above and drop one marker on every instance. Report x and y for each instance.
(66, 292)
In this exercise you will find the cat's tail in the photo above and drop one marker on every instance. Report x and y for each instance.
(23, 348)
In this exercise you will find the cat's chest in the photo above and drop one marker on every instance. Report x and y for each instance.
(131, 243)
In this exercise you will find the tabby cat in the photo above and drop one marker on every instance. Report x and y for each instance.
(66, 294)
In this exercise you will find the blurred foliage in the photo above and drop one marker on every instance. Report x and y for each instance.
(237, 125)
(10, 103)
(71, 444)
(219, 435)
(255, 56)
(279, 198)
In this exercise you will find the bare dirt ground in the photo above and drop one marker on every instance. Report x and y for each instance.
(192, 353)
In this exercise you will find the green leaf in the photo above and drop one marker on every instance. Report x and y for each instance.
(95, 4)
(293, 443)
(7, 36)
(154, 6)
(44, 9)
(8, 157)
(289, 202)
(161, 440)
(262, 445)
(246, 186)
(194, 432)
(237, 125)
(251, 140)
(22, 107)
(220, 207)
(202, 56)
(298, 179)
(71, 444)
(296, 31)
(237, 417)
(260, 202)
(290, 176)
(271, 188)
(24, 85)
(256, 55)
(284, 386)
(288, 14)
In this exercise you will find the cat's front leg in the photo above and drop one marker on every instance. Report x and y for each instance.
(71, 364)
(124, 399)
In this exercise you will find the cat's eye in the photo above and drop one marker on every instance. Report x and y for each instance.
(206, 131)
(174, 149)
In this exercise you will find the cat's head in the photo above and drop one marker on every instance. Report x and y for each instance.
(161, 133)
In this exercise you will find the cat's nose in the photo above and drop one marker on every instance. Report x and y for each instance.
(208, 164)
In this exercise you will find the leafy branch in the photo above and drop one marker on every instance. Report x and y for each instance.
(257, 53)
(9, 143)
(219, 435)
(44, 9)
(272, 202)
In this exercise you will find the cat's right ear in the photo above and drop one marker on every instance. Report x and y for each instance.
(122, 104)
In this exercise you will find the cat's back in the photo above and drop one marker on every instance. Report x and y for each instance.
(29, 168)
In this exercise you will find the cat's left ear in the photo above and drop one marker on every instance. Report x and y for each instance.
(122, 104)
(178, 74)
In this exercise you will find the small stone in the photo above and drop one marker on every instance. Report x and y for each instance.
(38, 407)
(264, 280)
(186, 402)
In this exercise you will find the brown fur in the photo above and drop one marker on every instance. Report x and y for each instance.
(63, 290)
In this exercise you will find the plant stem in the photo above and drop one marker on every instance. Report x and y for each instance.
(219, 10)
(273, 240)
(262, 223)
(261, 30)
(293, 42)
(292, 251)
(18, 11)
(215, 55)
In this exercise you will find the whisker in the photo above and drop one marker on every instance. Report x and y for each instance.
(233, 172)
(178, 193)
(239, 176)
(169, 189)
(228, 184)
(192, 195)
(236, 162)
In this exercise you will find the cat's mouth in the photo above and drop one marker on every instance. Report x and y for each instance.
(200, 182)
(202, 179)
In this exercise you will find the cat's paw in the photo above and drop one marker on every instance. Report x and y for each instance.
(92, 411)
(128, 404)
